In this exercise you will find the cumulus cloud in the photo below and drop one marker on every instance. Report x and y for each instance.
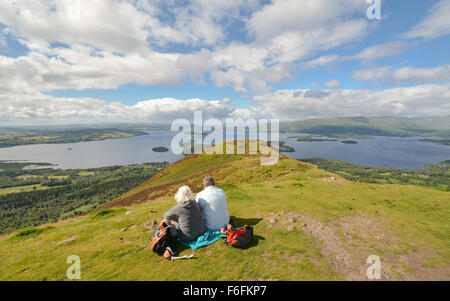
(333, 84)
(285, 32)
(404, 75)
(77, 68)
(122, 26)
(429, 100)
(291, 16)
(423, 75)
(423, 100)
(109, 25)
(104, 44)
(381, 50)
(436, 24)
(320, 61)
(23, 108)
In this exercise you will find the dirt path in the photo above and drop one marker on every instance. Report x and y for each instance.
(348, 255)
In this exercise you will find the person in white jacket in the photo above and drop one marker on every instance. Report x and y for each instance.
(213, 203)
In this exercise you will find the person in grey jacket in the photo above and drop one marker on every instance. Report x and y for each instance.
(186, 216)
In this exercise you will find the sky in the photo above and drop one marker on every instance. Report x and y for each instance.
(79, 61)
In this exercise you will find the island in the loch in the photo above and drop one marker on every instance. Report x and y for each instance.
(160, 149)
(349, 142)
(282, 147)
(311, 138)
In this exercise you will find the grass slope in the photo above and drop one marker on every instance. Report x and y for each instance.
(309, 225)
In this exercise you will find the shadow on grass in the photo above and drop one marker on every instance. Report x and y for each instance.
(181, 247)
(254, 243)
(240, 222)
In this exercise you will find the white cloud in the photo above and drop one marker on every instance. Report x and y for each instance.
(76, 68)
(333, 84)
(286, 16)
(108, 25)
(22, 108)
(119, 42)
(381, 50)
(436, 24)
(424, 100)
(405, 74)
(166, 41)
(285, 32)
(122, 26)
(423, 75)
(197, 22)
(372, 74)
(320, 61)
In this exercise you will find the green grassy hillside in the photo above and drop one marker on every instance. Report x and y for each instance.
(309, 225)
(371, 126)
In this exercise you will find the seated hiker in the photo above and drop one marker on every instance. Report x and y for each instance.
(213, 203)
(186, 216)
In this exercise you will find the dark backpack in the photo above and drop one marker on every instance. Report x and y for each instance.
(237, 237)
(163, 242)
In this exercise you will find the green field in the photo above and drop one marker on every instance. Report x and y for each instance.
(309, 225)
(18, 189)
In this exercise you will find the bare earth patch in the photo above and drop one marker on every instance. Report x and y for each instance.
(332, 180)
(348, 242)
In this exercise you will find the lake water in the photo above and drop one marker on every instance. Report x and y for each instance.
(404, 153)
(392, 152)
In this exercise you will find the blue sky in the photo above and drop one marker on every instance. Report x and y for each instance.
(83, 61)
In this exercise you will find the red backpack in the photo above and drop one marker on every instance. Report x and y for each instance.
(237, 237)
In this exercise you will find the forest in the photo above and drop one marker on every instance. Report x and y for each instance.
(52, 195)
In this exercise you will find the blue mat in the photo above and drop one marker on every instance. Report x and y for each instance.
(207, 238)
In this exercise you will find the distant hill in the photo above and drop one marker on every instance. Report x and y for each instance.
(309, 224)
(371, 126)
(24, 136)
